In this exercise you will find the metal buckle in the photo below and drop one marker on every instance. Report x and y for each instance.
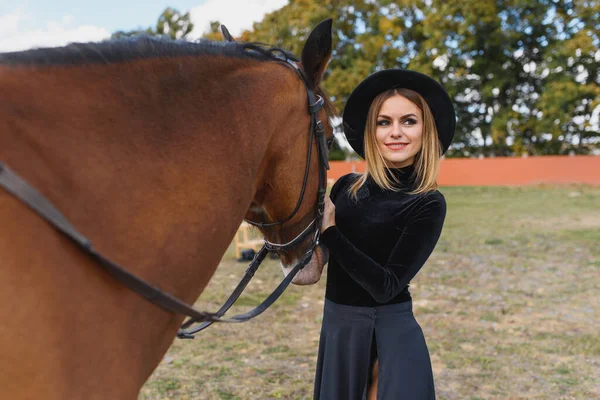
(314, 108)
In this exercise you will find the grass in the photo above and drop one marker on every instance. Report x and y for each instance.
(508, 303)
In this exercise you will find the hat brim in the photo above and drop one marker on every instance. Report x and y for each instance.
(359, 102)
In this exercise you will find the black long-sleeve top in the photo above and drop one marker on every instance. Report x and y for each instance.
(380, 241)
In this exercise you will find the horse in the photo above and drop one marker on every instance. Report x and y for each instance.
(156, 151)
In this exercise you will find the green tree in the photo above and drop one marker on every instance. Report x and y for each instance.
(214, 33)
(174, 24)
(336, 153)
(171, 23)
(135, 32)
(523, 74)
(499, 59)
(572, 87)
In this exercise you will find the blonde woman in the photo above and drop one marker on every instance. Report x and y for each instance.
(383, 227)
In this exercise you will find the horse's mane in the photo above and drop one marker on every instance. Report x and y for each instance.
(140, 47)
(144, 47)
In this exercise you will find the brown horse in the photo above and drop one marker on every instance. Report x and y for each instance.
(155, 151)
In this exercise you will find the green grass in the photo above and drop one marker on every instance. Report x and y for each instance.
(508, 303)
(164, 386)
(589, 235)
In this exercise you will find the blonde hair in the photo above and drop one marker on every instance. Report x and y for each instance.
(427, 159)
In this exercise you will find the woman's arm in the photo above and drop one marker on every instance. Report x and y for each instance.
(414, 246)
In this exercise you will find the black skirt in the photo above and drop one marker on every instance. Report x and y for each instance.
(353, 337)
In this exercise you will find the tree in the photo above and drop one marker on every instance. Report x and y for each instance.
(572, 87)
(214, 33)
(170, 23)
(524, 75)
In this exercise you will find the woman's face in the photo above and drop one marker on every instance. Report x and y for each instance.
(399, 132)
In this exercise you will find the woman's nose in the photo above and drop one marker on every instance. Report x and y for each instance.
(396, 130)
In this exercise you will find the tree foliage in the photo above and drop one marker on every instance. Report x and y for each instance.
(170, 23)
(524, 74)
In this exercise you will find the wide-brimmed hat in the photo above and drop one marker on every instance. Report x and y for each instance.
(359, 102)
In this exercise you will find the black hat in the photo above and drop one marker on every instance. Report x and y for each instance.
(359, 102)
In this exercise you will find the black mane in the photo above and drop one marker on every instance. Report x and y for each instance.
(139, 47)
(145, 47)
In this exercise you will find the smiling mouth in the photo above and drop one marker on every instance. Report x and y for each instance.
(396, 146)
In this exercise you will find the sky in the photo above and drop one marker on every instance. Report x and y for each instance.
(27, 24)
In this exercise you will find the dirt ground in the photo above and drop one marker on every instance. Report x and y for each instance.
(509, 304)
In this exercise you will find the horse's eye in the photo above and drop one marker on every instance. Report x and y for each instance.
(329, 143)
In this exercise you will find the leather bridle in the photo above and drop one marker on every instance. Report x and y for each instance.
(316, 102)
(17, 186)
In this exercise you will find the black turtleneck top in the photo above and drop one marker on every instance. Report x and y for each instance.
(380, 241)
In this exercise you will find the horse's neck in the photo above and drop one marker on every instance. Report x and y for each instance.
(153, 160)
(156, 163)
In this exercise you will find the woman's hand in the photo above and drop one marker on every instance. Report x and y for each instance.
(328, 214)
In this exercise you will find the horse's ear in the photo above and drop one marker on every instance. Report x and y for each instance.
(226, 35)
(317, 52)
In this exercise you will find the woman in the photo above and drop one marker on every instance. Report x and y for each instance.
(383, 227)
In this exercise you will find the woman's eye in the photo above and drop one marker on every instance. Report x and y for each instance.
(383, 122)
(410, 121)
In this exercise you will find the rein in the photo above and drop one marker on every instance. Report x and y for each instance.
(17, 186)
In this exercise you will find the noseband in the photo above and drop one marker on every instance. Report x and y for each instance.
(17, 186)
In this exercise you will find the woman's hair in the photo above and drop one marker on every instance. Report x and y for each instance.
(427, 160)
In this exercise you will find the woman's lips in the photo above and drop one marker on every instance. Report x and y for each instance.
(396, 146)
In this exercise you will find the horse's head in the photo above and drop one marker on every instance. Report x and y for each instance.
(292, 178)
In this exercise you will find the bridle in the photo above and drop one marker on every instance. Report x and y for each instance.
(17, 186)
(316, 102)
